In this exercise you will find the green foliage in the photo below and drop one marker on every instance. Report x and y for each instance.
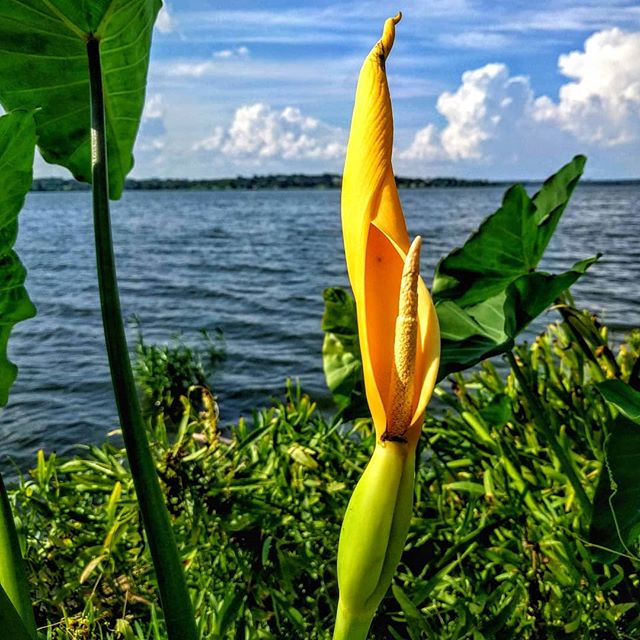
(509, 243)
(166, 373)
(43, 66)
(497, 547)
(17, 145)
(255, 516)
(16, 612)
(623, 397)
(82, 68)
(341, 358)
(616, 517)
(488, 291)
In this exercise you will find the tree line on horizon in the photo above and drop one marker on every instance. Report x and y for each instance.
(278, 181)
(282, 181)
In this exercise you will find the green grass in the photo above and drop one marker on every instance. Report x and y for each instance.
(164, 373)
(498, 546)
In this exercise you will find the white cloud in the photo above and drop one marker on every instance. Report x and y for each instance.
(200, 68)
(153, 107)
(259, 132)
(488, 104)
(164, 21)
(602, 105)
(238, 52)
(191, 69)
(151, 136)
(494, 118)
(425, 146)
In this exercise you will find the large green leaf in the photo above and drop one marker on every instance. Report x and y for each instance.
(509, 243)
(488, 291)
(489, 328)
(17, 145)
(615, 524)
(43, 65)
(341, 352)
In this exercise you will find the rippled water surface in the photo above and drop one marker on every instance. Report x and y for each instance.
(253, 264)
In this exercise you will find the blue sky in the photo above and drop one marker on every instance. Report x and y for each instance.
(480, 89)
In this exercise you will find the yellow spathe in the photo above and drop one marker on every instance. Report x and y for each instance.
(376, 246)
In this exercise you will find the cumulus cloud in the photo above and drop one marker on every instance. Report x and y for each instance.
(483, 112)
(259, 132)
(602, 104)
(493, 117)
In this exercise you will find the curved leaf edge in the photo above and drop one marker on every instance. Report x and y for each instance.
(17, 147)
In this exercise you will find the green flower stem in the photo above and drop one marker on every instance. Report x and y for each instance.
(15, 598)
(176, 603)
(373, 534)
(351, 627)
(538, 414)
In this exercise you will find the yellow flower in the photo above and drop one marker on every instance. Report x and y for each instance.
(397, 370)
(400, 346)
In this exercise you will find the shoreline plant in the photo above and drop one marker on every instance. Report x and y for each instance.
(399, 345)
(496, 546)
(79, 71)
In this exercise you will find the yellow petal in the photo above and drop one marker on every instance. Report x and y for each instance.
(376, 242)
(368, 176)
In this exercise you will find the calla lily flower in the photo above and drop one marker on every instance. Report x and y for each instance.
(376, 246)
(399, 343)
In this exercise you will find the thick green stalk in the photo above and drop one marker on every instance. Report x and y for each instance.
(538, 414)
(372, 538)
(176, 603)
(13, 577)
(350, 627)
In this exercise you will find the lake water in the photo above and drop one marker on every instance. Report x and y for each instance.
(253, 264)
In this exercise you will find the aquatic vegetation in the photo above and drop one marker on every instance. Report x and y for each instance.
(166, 373)
(495, 544)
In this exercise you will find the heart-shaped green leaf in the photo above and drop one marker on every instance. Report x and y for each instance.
(509, 243)
(43, 65)
(623, 397)
(488, 291)
(615, 523)
(17, 146)
(489, 328)
(12, 625)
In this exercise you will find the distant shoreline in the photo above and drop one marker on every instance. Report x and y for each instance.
(284, 182)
